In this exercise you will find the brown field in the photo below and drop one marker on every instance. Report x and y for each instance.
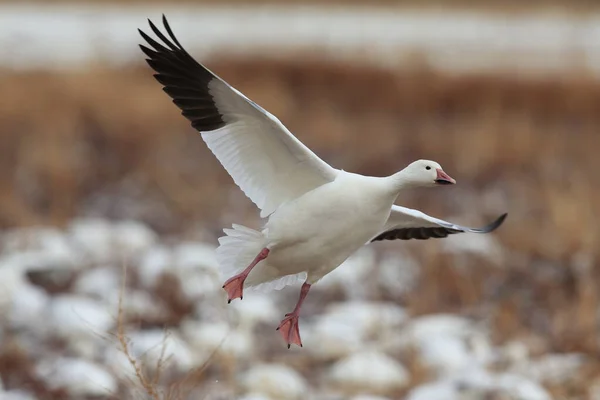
(108, 142)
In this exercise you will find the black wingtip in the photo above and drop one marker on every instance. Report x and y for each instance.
(183, 78)
(501, 219)
(170, 32)
(494, 225)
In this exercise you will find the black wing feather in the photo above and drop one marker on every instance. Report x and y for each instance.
(435, 232)
(183, 79)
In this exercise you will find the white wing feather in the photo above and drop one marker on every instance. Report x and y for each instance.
(404, 217)
(264, 159)
(262, 156)
(406, 223)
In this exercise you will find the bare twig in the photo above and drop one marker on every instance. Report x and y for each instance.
(150, 386)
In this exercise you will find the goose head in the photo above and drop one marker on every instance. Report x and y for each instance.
(426, 173)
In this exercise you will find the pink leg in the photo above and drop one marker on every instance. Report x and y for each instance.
(234, 286)
(289, 325)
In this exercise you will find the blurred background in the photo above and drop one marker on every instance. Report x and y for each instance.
(102, 179)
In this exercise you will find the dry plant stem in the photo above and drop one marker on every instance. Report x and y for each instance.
(178, 390)
(148, 385)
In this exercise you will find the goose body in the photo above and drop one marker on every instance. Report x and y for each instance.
(318, 216)
(318, 230)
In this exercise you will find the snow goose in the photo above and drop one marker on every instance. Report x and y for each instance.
(317, 215)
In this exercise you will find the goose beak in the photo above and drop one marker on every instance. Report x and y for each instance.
(443, 178)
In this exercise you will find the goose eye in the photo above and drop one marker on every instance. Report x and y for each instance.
(428, 167)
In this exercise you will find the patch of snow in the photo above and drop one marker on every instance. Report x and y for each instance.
(195, 256)
(196, 284)
(477, 383)
(352, 275)
(118, 363)
(22, 305)
(206, 338)
(95, 238)
(12, 280)
(329, 338)
(41, 248)
(368, 397)
(74, 316)
(259, 307)
(137, 303)
(133, 237)
(553, 369)
(369, 372)
(104, 283)
(435, 324)
(100, 282)
(29, 309)
(77, 376)
(196, 266)
(370, 317)
(255, 396)
(520, 387)
(154, 263)
(16, 395)
(397, 273)
(104, 241)
(345, 326)
(444, 343)
(193, 263)
(437, 390)
(148, 345)
(82, 322)
(276, 381)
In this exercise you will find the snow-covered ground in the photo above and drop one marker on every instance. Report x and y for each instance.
(52, 36)
(59, 302)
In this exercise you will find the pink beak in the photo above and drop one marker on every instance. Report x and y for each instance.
(443, 178)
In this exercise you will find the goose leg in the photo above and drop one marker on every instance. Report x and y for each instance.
(234, 286)
(289, 325)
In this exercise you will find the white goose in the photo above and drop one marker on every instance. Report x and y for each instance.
(317, 215)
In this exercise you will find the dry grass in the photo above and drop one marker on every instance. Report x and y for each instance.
(109, 142)
(148, 382)
(149, 385)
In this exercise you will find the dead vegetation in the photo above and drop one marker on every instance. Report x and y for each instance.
(147, 382)
(108, 142)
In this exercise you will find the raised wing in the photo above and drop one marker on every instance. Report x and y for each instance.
(406, 223)
(264, 159)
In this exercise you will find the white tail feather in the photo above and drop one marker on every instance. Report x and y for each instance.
(239, 248)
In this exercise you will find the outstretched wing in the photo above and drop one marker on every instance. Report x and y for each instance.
(264, 159)
(406, 223)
